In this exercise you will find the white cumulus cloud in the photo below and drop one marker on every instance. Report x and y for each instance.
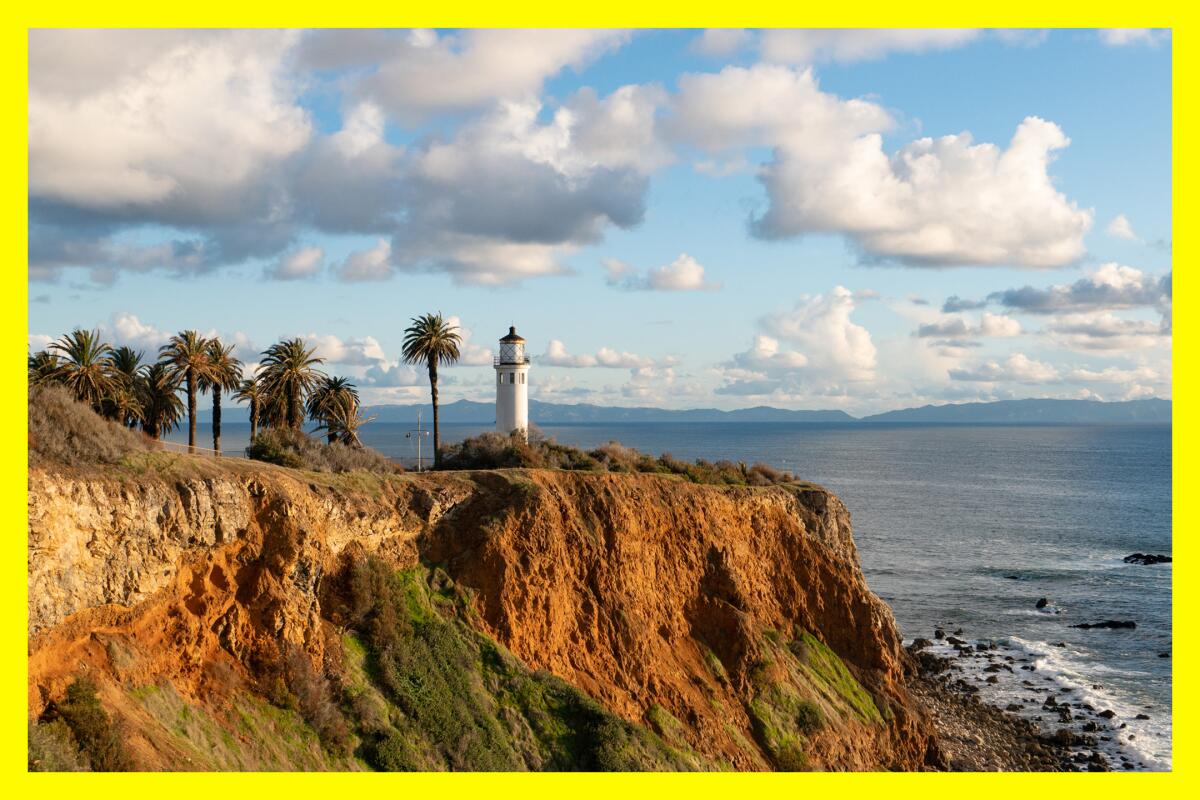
(302, 263)
(935, 201)
(684, 274)
(1017, 368)
(1120, 228)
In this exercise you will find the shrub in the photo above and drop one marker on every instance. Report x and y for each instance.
(295, 449)
(64, 431)
(52, 748)
(98, 738)
(497, 451)
(808, 717)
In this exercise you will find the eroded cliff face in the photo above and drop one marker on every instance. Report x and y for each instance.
(734, 622)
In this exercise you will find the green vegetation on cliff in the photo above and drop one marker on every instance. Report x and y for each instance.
(425, 691)
(409, 686)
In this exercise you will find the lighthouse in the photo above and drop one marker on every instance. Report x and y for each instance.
(512, 385)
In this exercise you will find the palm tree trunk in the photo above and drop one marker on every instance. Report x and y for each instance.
(217, 419)
(191, 393)
(437, 435)
(253, 420)
(293, 410)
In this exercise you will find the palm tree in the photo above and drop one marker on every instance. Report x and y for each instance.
(187, 355)
(289, 372)
(431, 340)
(123, 404)
(328, 391)
(158, 391)
(224, 373)
(43, 368)
(250, 391)
(85, 368)
(341, 420)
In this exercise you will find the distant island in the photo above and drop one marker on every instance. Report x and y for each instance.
(1031, 411)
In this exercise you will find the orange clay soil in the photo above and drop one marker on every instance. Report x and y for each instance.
(739, 615)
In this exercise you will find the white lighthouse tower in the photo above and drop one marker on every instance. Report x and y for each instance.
(512, 385)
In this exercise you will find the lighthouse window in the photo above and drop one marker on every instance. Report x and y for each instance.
(512, 377)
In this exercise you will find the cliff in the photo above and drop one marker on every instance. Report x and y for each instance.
(236, 615)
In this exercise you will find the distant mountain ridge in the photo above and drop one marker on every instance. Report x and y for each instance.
(1034, 411)
(1030, 411)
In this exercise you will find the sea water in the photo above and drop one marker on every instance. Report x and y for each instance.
(966, 527)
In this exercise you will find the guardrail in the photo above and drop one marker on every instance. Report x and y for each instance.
(496, 361)
(180, 447)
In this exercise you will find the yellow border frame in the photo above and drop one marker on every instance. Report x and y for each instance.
(304, 13)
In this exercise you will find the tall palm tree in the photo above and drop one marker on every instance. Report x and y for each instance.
(289, 373)
(158, 391)
(224, 373)
(430, 340)
(85, 368)
(122, 404)
(341, 420)
(43, 368)
(187, 356)
(250, 391)
(329, 390)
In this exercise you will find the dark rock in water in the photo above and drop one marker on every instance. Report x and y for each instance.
(1142, 716)
(1013, 707)
(919, 644)
(1050, 702)
(958, 632)
(954, 640)
(930, 664)
(1064, 736)
(1012, 578)
(1146, 558)
(1165, 654)
(993, 679)
(1107, 713)
(1041, 603)
(981, 647)
(1090, 726)
(1064, 714)
(939, 634)
(1108, 623)
(1060, 644)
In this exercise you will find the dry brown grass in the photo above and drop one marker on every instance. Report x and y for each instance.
(64, 431)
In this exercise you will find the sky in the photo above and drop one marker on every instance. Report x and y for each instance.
(827, 219)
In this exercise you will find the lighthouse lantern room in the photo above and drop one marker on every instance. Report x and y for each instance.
(512, 385)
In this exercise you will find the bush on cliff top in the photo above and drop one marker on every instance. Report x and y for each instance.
(65, 431)
(497, 451)
(289, 448)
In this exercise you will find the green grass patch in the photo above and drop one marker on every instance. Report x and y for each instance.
(828, 672)
(429, 692)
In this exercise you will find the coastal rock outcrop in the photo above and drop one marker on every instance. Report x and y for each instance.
(732, 621)
(1146, 558)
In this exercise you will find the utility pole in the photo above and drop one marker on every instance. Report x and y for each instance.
(420, 435)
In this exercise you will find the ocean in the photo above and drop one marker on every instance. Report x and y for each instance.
(966, 528)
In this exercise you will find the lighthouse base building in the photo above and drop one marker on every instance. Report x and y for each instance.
(512, 385)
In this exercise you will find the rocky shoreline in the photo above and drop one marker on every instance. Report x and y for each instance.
(977, 737)
(1066, 734)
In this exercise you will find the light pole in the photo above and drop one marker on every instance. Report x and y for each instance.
(420, 435)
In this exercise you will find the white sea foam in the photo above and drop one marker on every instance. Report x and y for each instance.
(1064, 673)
